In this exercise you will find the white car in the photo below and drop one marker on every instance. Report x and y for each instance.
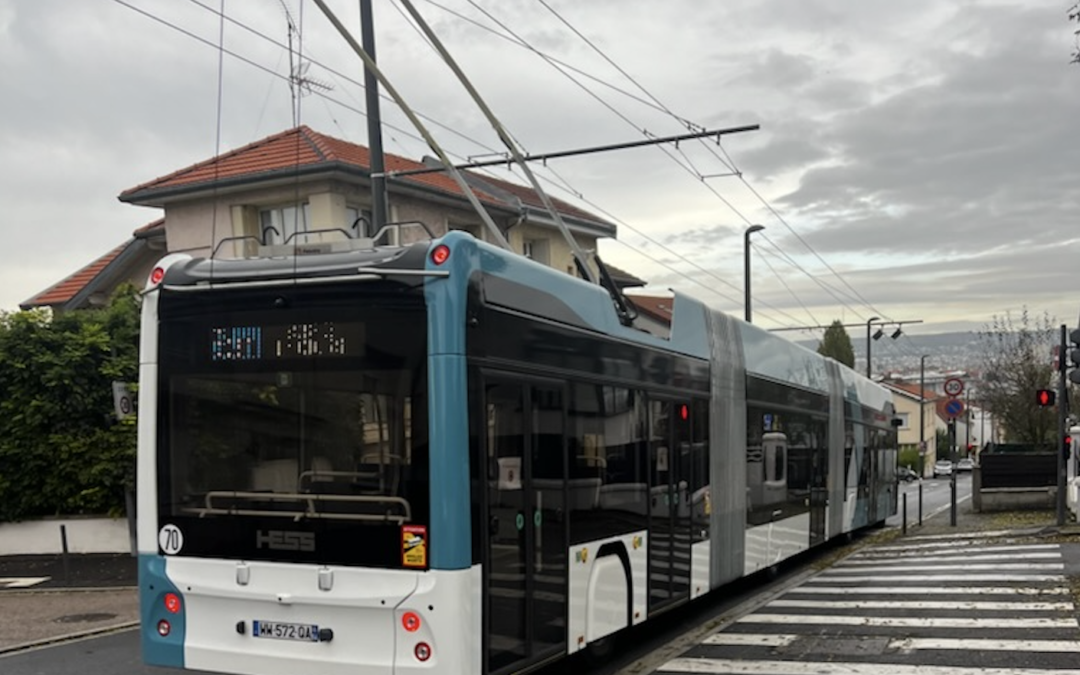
(965, 464)
(943, 467)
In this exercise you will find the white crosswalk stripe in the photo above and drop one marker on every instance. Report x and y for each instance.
(925, 608)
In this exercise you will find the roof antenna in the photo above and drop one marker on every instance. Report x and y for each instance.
(299, 83)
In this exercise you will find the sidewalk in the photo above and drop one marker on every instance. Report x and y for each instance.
(44, 601)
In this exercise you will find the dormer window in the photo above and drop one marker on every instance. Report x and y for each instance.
(278, 224)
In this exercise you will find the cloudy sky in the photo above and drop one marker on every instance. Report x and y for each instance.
(916, 160)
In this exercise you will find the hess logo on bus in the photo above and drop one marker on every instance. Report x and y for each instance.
(281, 540)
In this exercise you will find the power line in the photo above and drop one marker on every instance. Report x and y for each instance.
(407, 133)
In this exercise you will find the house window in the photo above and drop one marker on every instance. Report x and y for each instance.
(358, 222)
(535, 249)
(278, 224)
(903, 417)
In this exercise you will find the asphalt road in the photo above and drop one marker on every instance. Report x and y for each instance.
(935, 495)
(663, 639)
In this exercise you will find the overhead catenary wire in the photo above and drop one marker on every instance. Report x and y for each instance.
(496, 234)
(682, 120)
(583, 262)
(406, 132)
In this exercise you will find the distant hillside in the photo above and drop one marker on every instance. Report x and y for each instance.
(953, 351)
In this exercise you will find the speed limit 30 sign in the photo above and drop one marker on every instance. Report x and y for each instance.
(954, 386)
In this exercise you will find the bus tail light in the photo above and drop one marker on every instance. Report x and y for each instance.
(410, 621)
(422, 651)
(163, 628)
(157, 275)
(172, 603)
(440, 254)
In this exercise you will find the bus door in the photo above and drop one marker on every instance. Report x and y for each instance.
(670, 466)
(525, 566)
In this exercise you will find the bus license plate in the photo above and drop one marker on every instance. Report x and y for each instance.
(277, 630)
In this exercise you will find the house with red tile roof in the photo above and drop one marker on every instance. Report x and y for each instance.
(908, 399)
(300, 186)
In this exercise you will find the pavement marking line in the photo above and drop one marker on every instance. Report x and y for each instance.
(952, 545)
(948, 565)
(965, 535)
(750, 640)
(829, 577)
(924, 604)
(951, 557)
(929, 590)
(914, 644)
(735, 667)
(909, 621)
(22, 582)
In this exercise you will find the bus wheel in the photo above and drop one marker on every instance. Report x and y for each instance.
(600, 650)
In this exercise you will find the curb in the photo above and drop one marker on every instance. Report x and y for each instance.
(69, 637)
(64, 589)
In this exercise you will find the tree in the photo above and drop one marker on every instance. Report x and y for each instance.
(1016, 363)
(836, 344)
(1074, 15)
(62, 451)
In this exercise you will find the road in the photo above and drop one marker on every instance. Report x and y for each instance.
(954, 604)
(118, 654)
(936, 495)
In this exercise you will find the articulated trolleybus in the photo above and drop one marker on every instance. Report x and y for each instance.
(445, 458)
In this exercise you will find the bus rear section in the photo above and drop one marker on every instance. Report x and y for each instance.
(285, 485)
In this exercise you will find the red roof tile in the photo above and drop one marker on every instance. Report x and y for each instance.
(66, 289)
(530, 197)
(658, 307)
(294, 148)
(912, 389)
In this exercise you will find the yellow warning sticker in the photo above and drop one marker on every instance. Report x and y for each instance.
(414, 545)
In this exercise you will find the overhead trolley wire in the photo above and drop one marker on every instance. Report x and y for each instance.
(411, 135)
(726, 163)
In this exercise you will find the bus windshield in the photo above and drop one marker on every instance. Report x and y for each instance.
(300, 425)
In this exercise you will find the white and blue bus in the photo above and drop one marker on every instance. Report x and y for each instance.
(444, 457)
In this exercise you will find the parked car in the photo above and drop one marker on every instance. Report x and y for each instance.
(906, 474)
(965, 464)
(943, 467)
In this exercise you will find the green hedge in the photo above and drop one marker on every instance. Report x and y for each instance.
(62, 450)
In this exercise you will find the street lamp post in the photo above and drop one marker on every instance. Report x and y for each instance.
(922, 413)
(869, 324)
(746, 267)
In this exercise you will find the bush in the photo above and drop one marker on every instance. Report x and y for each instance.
(62, 451)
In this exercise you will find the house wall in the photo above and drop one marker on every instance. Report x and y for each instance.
(908, 435)
(190, 226)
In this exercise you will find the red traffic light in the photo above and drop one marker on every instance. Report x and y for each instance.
(1045, 397)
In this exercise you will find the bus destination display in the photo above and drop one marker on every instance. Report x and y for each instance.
(286, 341)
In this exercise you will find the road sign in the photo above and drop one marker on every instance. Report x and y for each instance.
(954, 386)
(954, 407)
(121, 400)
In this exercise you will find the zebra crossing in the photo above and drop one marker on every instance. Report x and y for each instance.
(931, 605)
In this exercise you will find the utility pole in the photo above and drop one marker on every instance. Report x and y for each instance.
(746, 269)
(374, 124)
(1062, 430)
(922, 414)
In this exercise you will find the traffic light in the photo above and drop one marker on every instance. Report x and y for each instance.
(1072, 356)
(1045, 397)
(1066, 448)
